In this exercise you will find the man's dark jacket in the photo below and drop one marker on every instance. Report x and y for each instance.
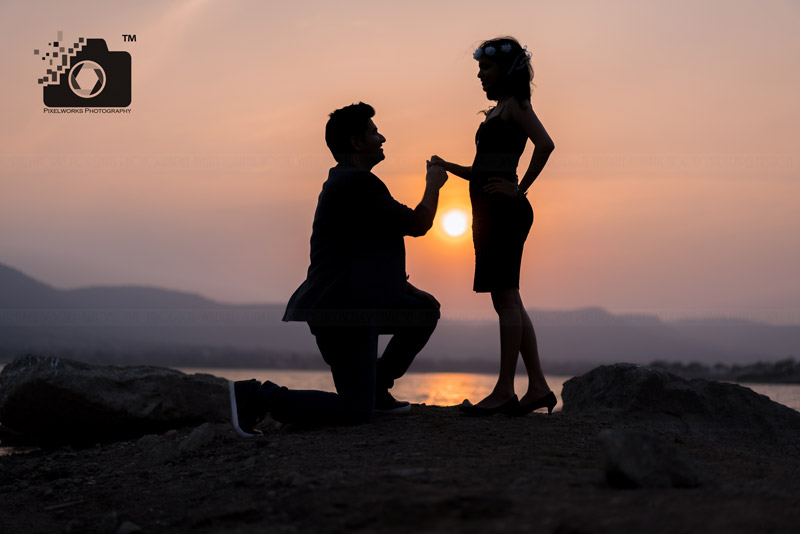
(358, 256)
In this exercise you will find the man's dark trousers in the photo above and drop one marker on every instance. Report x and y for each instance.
(349, 345)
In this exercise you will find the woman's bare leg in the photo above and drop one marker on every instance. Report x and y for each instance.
(537, 385)
(507, 305)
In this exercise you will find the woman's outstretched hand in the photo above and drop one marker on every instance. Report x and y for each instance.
(501, 186)
(436, 160)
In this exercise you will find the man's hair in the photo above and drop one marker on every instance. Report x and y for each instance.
(343, 124)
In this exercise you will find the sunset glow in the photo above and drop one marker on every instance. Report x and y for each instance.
(665, 194)
(454, 222)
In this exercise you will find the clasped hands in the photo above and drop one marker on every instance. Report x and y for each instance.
(436, 174)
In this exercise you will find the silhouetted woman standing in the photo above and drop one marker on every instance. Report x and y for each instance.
(502, 217)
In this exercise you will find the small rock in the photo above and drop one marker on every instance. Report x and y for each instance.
(638, 460)
(199, 438)
(148, 442)
(408, 472)
(128, 528)
(74, 526)
(160, 454)
(297, 480)
(109, 523)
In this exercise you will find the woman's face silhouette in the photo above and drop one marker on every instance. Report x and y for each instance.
(489, 75)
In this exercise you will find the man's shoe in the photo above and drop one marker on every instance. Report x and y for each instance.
(245, 413)
(385, 403)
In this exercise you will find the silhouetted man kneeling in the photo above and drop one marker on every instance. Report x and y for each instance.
(356, 288)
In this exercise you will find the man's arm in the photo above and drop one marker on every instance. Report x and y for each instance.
(434, 180)
(398, 217)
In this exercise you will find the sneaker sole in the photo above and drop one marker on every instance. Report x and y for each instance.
(235, 413)
(401, 409)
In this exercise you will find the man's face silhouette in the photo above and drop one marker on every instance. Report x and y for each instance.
(369, 149)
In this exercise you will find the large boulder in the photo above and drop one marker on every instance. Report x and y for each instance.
(639, 460)
(661, 400)
(57, 401)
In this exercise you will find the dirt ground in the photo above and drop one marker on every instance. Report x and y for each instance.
(433, 470)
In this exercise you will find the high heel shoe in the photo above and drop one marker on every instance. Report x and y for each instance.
(508, 407)
(549, 401)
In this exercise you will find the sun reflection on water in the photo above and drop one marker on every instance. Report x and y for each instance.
(449, 389)
(432, 389)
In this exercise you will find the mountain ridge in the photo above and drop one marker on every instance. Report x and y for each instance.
(18, 290)
(134, 323)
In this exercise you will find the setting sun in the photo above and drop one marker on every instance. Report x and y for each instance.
(454, 222)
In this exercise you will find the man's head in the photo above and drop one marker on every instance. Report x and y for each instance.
(352, 137)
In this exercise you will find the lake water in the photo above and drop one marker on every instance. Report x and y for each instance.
(441, 389)
(446, 389)
(449, 389)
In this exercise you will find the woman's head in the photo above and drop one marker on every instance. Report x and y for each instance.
(504, 68)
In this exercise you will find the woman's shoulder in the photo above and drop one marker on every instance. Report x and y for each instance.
(516, 108)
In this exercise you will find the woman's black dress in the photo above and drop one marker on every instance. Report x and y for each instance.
(500, 223)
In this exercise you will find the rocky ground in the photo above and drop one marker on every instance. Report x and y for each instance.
(433, 470)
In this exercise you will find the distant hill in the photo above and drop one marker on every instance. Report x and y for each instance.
(135, 324)
(20, 291)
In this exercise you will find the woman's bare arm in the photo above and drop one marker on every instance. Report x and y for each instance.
(543, 146)
(452, 168)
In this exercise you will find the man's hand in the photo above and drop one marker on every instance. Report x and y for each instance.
(435, 178)
(436, 175)
(436, 160)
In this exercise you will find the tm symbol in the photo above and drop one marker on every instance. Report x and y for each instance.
(128, 38)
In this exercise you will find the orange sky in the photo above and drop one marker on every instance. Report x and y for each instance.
(673, 188)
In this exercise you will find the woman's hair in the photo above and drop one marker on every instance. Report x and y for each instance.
(514, 62)
(344, 124)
